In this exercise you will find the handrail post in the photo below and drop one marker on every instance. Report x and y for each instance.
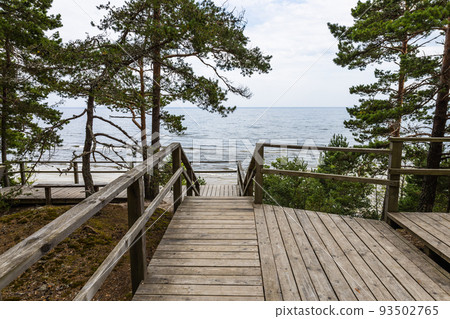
(259, 163)
(190, 185)
(392, 192)
(22, 173)
(138, 258)
(250, 185)
(177, 187)
(76, 176)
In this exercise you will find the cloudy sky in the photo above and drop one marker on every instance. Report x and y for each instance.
(294, 32)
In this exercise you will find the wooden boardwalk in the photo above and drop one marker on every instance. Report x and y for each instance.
(209, 252)
(73, 195)
(433, 229)
(230, 249)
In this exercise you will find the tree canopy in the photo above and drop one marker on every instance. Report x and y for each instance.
(28, 122)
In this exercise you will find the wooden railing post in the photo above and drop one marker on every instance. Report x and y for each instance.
(76, 176)
(190, 186)
(138, 258)
(23, 178)
(177, 187)
(259, 163)
(249, 189)
(392, 192)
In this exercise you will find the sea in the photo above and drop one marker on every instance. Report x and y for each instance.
(213, 142)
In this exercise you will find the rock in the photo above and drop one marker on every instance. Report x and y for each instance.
(43, 288)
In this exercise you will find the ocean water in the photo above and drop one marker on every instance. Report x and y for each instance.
(210, 138)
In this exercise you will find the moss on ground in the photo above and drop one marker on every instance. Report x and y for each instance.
(61, 274)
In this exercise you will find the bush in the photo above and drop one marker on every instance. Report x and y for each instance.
(328, 196)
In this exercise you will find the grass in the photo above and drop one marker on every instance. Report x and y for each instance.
(60, 274)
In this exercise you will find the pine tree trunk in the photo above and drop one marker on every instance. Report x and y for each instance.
(144, 143)
(428, 195)
(5, 111)
(396, 125)
(89, 138)
(4, 137)
(156, 105)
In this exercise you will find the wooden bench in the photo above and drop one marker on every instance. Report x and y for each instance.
(48, 189)
(433, 229)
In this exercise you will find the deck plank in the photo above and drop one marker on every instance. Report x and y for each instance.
(408, 265)
(370, 278)
(406, 279)
(271, 283)
(299, 268)
(227, 248)
(425, 232)
(354, 280)
(333, 271)
(321, 283)
(389, 281)
(287, 280)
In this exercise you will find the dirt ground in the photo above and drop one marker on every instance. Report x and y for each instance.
(62, 273)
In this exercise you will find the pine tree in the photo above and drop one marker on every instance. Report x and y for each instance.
(387, 33)
(430, 183)
(26, 78)
(180, 31)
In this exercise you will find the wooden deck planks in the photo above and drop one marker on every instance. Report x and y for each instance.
(209, 252)
(328, 263)
(61, 195)
(286, 278)
(388, 280)
(421, 226)
(404, 278)
(320, 281)
(222, 247)
(373, 283)
(299, 268)
(351, 275)
(272, 290)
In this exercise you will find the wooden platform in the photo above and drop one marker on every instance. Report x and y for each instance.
(433, 229)
(69, 196)
(209, 252)
(60, 195)
(226, 249)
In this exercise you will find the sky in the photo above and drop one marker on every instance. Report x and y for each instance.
(294, 32)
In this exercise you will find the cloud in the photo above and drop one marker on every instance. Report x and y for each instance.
(295, 33)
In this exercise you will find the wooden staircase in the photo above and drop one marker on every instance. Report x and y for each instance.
(209, 252)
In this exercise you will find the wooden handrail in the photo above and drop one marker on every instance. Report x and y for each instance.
(420, 139)
(356, 179)
(95, 282)
(394, 171)
(190, 182)
(190, 172)
(331, 149)
(23, 255)
(421, 171)
(240, 178)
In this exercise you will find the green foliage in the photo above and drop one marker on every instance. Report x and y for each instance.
(336, 197)
(28, 122)
(412, 186)
(392, 34)
(184, 31)
(164, 173)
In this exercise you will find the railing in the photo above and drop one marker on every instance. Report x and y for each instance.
(253, 179)
(74, 168)
(23, 170)
(23, 255)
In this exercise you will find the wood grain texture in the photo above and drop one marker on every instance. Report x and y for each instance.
(436, 238)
